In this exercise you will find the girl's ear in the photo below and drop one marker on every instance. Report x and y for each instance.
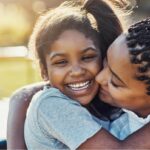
(44, 73)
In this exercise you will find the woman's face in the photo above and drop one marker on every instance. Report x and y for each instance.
(118, 85)
(72, 63)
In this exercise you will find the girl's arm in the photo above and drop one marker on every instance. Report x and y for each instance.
(19, 103)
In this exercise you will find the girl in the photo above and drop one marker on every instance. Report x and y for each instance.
(69, 67)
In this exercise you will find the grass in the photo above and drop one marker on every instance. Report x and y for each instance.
(16, 72)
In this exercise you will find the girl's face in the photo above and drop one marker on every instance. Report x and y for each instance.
(72, 63)
(117, 80)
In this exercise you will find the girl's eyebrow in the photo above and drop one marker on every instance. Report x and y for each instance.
(82, 51)
(89, 48)
(55, 55)
(116, 75)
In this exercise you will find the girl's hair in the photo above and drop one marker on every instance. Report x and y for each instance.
(107, 21)
(94, 18)
(138, 42)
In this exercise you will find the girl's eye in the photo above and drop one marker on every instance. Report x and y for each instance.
(61, 63)
(105, 64)
(89, 58)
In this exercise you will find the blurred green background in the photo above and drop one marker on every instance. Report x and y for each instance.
(15, 72)
(17, 18)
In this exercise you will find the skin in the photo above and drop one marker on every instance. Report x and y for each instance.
(75, 63)
(119, 87)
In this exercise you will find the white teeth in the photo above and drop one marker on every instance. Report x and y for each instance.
(79, 86)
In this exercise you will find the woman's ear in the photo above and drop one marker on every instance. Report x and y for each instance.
(44, 73)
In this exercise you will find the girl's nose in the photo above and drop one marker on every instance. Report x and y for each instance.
(77, 70)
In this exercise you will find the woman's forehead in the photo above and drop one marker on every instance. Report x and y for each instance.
(118, 50)
(118, 58)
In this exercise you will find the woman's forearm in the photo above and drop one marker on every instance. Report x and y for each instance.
(104, 140)
(16, 117)
(19, 103)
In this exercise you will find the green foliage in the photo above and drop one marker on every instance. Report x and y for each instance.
(16, 72)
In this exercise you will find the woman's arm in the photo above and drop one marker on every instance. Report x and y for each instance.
(19, 103)
(17, 112)
(104, 140)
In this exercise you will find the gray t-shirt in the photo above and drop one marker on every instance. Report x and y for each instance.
(54, 121)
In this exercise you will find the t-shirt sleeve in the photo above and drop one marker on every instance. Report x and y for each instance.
(65, 119)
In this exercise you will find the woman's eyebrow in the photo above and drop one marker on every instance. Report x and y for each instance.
(116, 75)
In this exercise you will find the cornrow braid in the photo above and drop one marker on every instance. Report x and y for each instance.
(138, 42)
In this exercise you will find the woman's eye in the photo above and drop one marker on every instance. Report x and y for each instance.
(112, 82)
(88, 58)
(115, 85)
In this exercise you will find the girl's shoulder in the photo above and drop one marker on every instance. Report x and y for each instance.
(51, 100)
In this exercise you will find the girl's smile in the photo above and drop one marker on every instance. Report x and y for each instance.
(80, 88)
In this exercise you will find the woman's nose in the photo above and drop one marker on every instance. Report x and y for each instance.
(103, 77)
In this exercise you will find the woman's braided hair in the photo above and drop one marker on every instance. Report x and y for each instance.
(138, 42)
